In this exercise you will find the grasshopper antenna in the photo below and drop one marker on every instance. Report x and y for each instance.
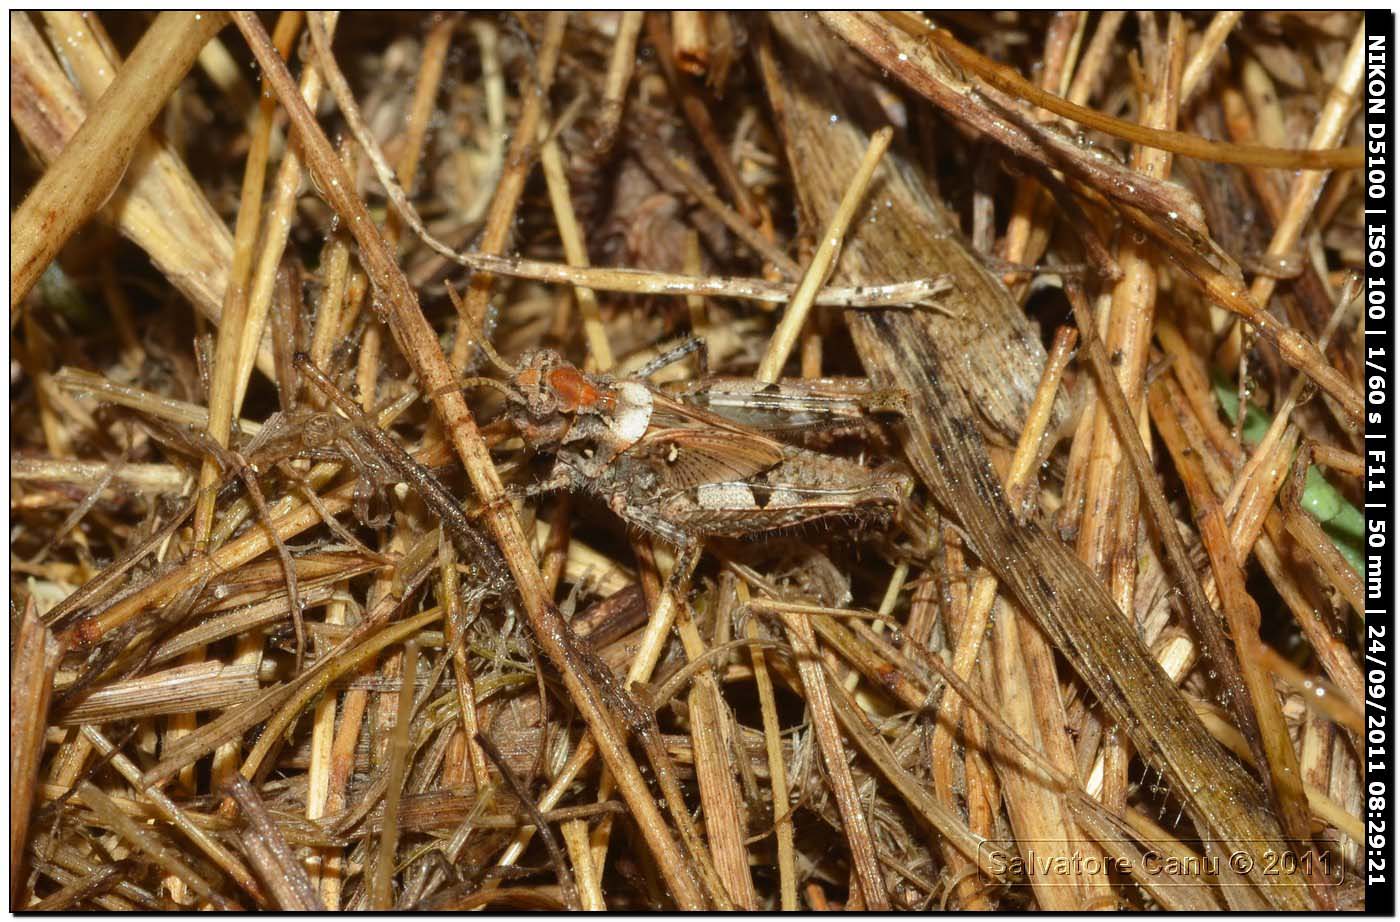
(478, 381)
(480, 342)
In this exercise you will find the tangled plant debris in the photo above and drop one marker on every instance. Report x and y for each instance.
(685, 460)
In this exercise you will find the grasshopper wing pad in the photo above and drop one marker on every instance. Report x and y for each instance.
(687, 457)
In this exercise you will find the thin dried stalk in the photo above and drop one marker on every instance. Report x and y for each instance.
(466, 686)
(155, 479)
(79, 513)
(381, 895)
(159, 206)
(342, 760)
(318, 774)
(556, 855)
(823, 261)
(82, 42)
(275, 233)
(88, 888)
(915, 291)
(1322, 807)
(1176, 142)
(236, 622)
(142, 840)
(206, 686)
(1108, 531)
(575, 249)
(777, 774)
(857, 830)
(34, 660)
(590, 889)
(520, 156)
(226, 73)
(82, 178)
(420, 113)
(697, 113)
(172, 812)
(720, 798)
(1212, 41)
(1026, 231)
(1091, 69)
(268, 851)
(620, 65)
(233, 330)
(690, 42)
(87, 384)
(65, 858)
(336, 278)
(1037, 812)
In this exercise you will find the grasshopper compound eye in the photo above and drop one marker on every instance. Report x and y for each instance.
(540, 400)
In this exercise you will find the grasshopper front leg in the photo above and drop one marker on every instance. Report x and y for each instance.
(560, 478)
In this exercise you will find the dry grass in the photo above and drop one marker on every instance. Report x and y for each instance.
(289, 631)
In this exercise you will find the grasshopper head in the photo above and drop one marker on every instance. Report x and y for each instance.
(549, 393)
(549, 385)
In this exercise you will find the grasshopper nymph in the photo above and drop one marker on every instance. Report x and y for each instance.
(670, 466)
